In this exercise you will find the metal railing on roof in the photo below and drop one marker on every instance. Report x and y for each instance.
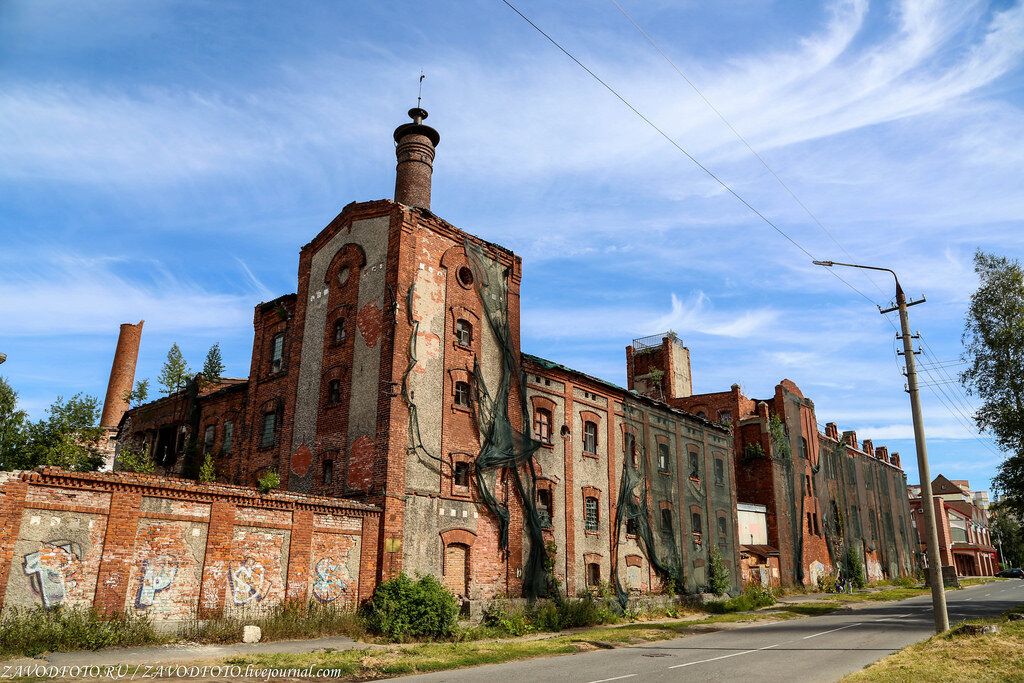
(655, 340)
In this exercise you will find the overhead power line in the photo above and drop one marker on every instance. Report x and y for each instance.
(951, 407)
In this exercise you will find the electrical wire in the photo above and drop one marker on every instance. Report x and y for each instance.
(721, 182)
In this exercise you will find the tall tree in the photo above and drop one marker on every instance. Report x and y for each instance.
(69, 436)
(137, 396)
(1007, 536)
(994, 342)
(213, 367)
(174, 374)
(13, 427)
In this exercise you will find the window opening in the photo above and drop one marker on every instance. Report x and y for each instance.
(590, 437)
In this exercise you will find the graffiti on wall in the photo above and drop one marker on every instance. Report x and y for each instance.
(157, 574)
(249, 581)
(331, 579)
(53, 570)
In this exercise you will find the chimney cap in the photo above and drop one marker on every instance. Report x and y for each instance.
(417, 127)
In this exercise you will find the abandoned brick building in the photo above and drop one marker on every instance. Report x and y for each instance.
(394, 376)
(822, 492)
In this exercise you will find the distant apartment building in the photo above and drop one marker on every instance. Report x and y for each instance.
(961, 518)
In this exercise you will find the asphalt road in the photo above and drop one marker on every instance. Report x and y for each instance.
(822, 648)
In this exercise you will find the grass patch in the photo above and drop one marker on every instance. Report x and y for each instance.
(979, 580)
(367, 663)
(28, 632)
(812, 609)
(955, 656)
(284, 621)
(895, 593)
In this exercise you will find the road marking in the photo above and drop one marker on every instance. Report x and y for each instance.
(715, 659)
(617, 678)
(833, 630)
(965, 600)
(897, 616)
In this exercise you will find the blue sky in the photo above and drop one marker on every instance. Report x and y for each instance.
(166, 161)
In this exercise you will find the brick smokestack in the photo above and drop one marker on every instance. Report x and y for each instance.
(122, 374)
(414, 148)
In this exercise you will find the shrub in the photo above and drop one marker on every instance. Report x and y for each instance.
(269, 481)
(132, 459)
(31, 631)
(401, 609)
(754, 597)
(512, 619)
(854, 568)
(718, 575)
(827, 583)
(208, 473)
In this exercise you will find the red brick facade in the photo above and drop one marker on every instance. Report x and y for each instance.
(173, 549)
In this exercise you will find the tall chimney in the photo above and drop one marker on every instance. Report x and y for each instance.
(122, 374)
(414, 147)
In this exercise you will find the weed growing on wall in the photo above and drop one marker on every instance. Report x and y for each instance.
(269, 481)
(207, 472)
(135, 459)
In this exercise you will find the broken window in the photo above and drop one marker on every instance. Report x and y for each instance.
(462, 394)
(328, 472)
(334, 391)
(719, 471)
(339, 330)
(229, 432)
(277, 353)
(663, 457)
(666, 520)
(463, 332)
(208, 439)
(545, 507)
(694, 465)
(460, 475)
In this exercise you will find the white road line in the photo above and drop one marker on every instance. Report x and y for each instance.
(965, 600)
(715, 659)
(897, 616)
(617, 678)
(833, 630)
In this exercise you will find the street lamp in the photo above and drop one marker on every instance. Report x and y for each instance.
(927, 504)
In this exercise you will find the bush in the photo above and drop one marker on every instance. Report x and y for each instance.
(31, 631)
(754, 597)
(208, 473)
(512, 619)
(905, 581)
(269, 481)
(718, 576)
(828, 583)
(401, 609)
(131, 459)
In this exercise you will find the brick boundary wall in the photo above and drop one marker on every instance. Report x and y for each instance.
(175, 549)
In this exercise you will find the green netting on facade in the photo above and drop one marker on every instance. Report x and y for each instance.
(632, 511)
(504, 448)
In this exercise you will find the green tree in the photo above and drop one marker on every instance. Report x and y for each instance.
(175, 373)
(718, 574)
(68, 437)
(1007, 536)
(137, 396)
(213, 366)
(13, 427)
(994, 350)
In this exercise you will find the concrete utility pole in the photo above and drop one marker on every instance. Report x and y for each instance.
(931, 532)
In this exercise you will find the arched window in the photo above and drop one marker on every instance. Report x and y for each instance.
(463, 332)
(666, 520)
(229, 433)
(277, 353)
(590, 437)
(663, 457)
(328, 472)
(724, 417)
(334, 391)
(460, 476)
(542, 425)
(593, 574)
(719, 471)
(723, 527)
(694, 465)
(339, 330)
(462, 394)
